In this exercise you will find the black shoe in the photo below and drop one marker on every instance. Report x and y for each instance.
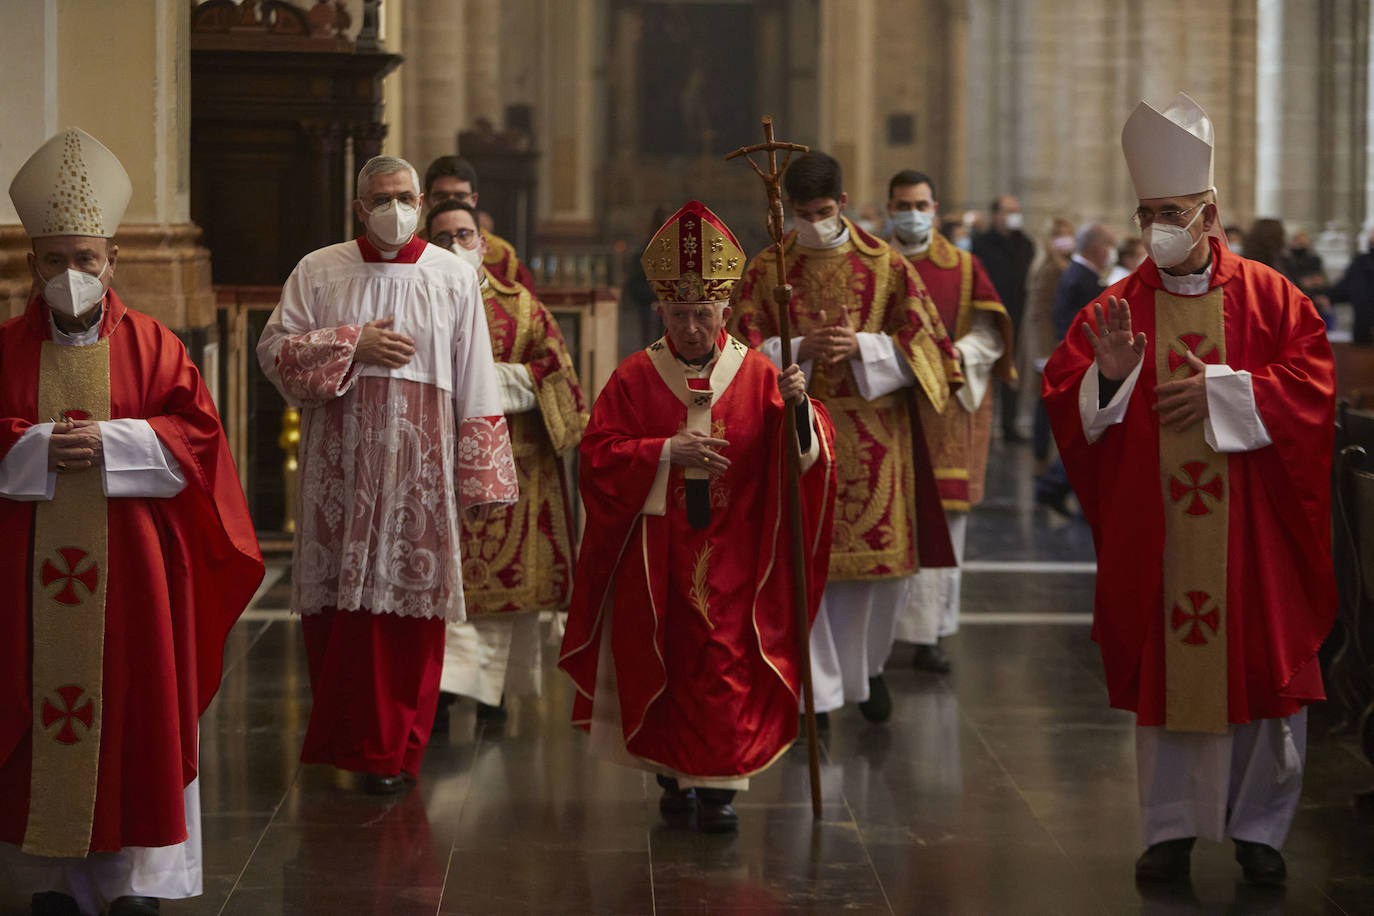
(931, 659)
(675, 800)
(1166, 861)
(488, 713)
(715, 813)
(878, 706)
(134, 906)
(822, 724)
(1261, 864)
(441, 723)
(376, 784)
(51, 903)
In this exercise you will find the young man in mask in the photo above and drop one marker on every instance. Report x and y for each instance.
(873, 348)
(518, 562)
(1007, 252)
(1193, 410)
(383, 343)
(129, 553)
(958, 438)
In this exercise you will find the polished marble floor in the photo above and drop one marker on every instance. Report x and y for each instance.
(1005, 787)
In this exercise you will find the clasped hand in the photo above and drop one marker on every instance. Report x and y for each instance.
(829, 344)
(75, 446)
(693, 449)
(1180, 404)
(379, 347)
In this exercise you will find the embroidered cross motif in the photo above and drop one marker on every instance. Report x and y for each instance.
(1196, 343)
(71, 711)
(701, 400)
(1204, 614)
(1194, 486)
(70, 572)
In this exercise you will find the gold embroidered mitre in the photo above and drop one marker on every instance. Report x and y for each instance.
(72, 185)
(694, 257)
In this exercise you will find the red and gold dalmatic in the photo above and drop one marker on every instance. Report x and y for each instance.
(1215, 586)
(502, 262)
(520, 558)
(888, 518)
(958, 440)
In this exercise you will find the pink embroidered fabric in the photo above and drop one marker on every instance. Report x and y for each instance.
(314, 366)
(381, 487)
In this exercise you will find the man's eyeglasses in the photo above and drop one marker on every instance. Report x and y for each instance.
(1172, 216)
(461, 236)
(381, 200)
(439, 197)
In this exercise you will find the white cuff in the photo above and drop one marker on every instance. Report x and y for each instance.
(1233, 423)
(979, 351)
(1096, 421)
(24, 474)
(772, 348)
(517, 388)
(878, 368)
(657, 501)
(809, 456)
(136, 463)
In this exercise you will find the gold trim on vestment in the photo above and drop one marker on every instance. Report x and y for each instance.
(1196, 493)
(69, 574)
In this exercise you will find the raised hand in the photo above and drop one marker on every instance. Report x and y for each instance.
(379, 347)
(1116, 350)
(692, 449)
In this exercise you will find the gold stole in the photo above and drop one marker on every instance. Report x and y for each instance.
(70, 554)
(1196, 490)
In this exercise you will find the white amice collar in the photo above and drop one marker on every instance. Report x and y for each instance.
(1189, 284)
(81, 338)
(913, 248)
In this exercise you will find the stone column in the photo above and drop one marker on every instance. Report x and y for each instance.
(482, 60)
(130, 90)
(570, 100)
(848, 29)
(433, 80)
(1287, 163)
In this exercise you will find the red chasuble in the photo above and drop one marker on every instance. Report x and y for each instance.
(502, 262)
(179, 571)
(1280, 590)
(703, 625)
(959, 440)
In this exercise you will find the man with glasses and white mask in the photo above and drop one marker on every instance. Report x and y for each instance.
(383, 343)
(129, 553)
(1193, 410)
(518, 562)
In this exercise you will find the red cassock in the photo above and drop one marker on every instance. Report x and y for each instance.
(704, 629)
(1281, 595)
(180, 571)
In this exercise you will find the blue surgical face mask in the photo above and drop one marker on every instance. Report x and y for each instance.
(912, 226)
(965, 243)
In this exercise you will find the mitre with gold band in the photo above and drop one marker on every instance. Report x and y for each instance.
(72, 185)
(693, 257)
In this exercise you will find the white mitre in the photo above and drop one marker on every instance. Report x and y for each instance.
(1169, 153)
(72, 185)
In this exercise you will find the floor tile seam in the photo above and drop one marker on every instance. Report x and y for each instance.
(653, 888)
(247, 650)
(868, 856)
(261, 836)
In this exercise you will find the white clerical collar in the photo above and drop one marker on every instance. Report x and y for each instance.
(485, 281)
(1079, 259)
(1194, 284)
(80, 338)
(700, 371)
(913, 248)
(388, 255)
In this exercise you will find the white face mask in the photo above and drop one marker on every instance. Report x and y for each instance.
(394, 222)
(913, 226)
(820, 234)
(472, 256)
(1015, 221)
(1170, 245)
(1062, 244)
(73, 292)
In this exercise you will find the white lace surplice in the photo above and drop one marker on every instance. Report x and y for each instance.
(383, 476)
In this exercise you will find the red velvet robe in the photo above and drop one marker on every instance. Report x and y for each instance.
(1281, 595)
(180, 571)
(704, 633)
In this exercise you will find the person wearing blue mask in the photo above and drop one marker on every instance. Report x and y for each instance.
(958, 437)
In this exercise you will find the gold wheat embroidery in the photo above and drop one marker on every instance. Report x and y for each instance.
(700, 588)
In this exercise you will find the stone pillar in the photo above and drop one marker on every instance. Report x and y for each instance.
(433, 81)
(1287, 163)
(848, 30)
(568, 113)
(130, 90)
(482, 59)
